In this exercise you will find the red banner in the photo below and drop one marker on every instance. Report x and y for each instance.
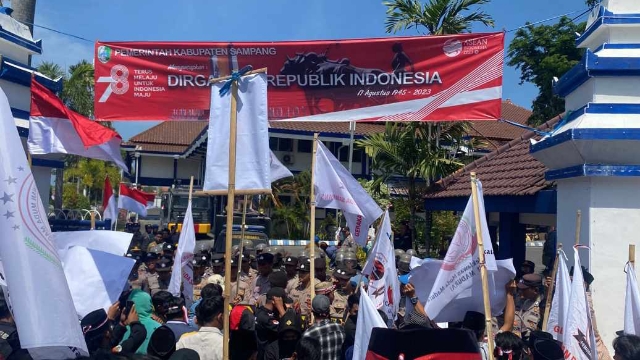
(426, 78)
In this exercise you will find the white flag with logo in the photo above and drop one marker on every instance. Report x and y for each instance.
(384, 287)
(560, 303)
(42, 305)
(579, 340)
(278, 171)
(336, 188)
(182, 272)
(461, 266)
(253, 156)
(632, 303)
(368, 318)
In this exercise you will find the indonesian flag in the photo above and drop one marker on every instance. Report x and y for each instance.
(560, 303)
(632, 303)
(42, 305)
(54, 128)
(109, 203)
(384, 287)
(578, 339)
(336, 188)
(460, 268)
(134, 200)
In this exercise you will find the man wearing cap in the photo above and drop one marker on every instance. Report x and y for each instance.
(289, 331)
(239, 288)
(163, 268)
(327, 289)
(301, 294)
(528, 267)
(291, 268)
(342, 292)
(321, 268)
(268, 318)
(528, 311)
(150, 276)
(348, 241)
(200, 262)
(260, 285)
(247, 262)
(330, 335)
(217, 266)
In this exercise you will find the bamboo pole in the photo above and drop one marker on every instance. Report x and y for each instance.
(231, 193)
(238, 192)
(578, 224)
(483, 264)
(632, 255)
(547, 309)
(312, 221)
(190, 188)
(241, 248)
(93, 218)
(225, 78)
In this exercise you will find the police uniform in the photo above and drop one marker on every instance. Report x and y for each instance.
(300, 294)
(240, 286)
(528, 312)
(260, 285)
(164, 265)
(199, 261)
(217, 260)
(292, 283)
(340, 296)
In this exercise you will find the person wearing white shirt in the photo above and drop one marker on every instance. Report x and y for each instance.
(207, 341)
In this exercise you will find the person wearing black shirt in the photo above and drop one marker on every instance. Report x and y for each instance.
(268, 319)
(289, 332)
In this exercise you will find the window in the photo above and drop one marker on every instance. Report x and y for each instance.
(280, 144)
(344, 155)
(305, 146)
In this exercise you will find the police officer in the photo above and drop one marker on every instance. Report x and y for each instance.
(278, 254)
(200, 263)
(291, 268)
(528, 267)
(260, 285)
(398, 252)
(528, 311)
(247, 260)
(403, 264)
(168, 250)
(239, 287)
(411, 252)
(260, 248)
(137, 276)
(351, 262)
(217, 266)
(301, 295)
(342, 292)
(150, 277)
(163, 268)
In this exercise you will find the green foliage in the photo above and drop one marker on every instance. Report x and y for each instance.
(77, 85)
(326, 223)
(91, 174)
(444, 226)
(437, 17)
(542, 52)
(378, 191)
(72, 197)
(294, 216)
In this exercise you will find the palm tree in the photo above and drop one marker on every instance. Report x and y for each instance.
(51, 70)
(79, 88)
(438, 17)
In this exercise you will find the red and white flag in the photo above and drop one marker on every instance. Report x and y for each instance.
(109, 204)
(560, 303)
(384, 287)
(579, 341)
(54, 128)
(336, 188)
(135, 200)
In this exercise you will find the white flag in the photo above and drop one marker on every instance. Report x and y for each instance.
(182, 272)
(368, 318)
(632, 303)
(253, 157)
(278, 171)
(42, 306)
(336, 188)
(560, 303)
(578, 339)
(384, 287)
(96, 278)
(461, 266)
(424, 276)
(112, 242)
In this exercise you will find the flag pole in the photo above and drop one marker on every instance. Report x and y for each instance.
(578, 223)
(375, 241)
(241, 249)
(93, 218)
(231, 192)
(312, 221)
(632, 255)
(483, 265)
(547, 310)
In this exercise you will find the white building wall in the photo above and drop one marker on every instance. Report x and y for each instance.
(188, 168)
(156, 167)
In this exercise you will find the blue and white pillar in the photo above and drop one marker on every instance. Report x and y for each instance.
(594, 155)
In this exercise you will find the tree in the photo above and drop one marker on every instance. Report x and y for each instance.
(78, 89)
(414, 152)
(437, 17)
(51, 70)
(88, 176)
(542, 52)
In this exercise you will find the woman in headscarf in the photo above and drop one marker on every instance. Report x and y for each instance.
(142, 303)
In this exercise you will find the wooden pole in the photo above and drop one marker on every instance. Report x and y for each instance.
(231, 193)
(547, 309)
(241, 249)
(578, 223)
(191, 188)
(93, 218)
(375, 241)
(632, 255)
(312, 220)
(483, 264)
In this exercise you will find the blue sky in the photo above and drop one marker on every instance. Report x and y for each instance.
(250, 20)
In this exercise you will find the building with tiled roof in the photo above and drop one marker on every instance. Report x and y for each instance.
(176, 149)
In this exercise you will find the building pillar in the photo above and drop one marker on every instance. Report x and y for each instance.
(512, 236)
(594, 155)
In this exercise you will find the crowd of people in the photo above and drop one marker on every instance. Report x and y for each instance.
(274, 317)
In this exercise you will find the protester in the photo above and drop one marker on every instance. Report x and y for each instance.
(208, 291)
(402, 239)
(508, 346)
(9, 341)
(353, 302)
(626, 347)
(162, 343)
(143, 308)
(330, 335)
(528, 267)
(243, 345)
(347, 241)
(308, 349)
(208, 341)
(175, 318)
(289, 331)
(268, 318)
(161, 302)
